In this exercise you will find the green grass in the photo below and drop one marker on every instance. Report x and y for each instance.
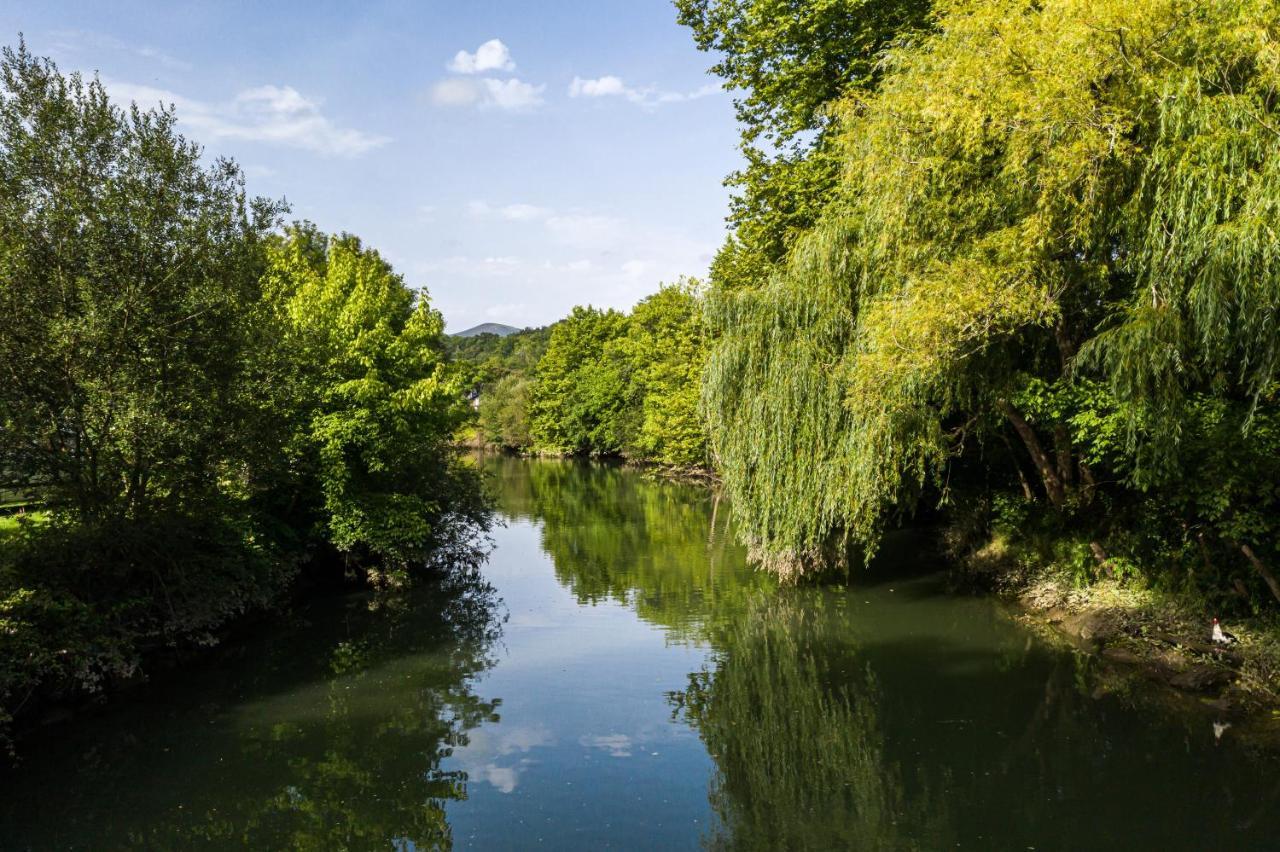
(11, 528)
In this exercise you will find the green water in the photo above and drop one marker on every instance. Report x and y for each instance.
(617, 677)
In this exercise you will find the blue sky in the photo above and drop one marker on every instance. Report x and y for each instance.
(515, 158)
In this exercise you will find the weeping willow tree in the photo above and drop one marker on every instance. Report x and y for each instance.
(1047, 210)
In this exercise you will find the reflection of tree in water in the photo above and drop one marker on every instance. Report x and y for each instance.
(616, 535)
(339, 743)
(799, 758)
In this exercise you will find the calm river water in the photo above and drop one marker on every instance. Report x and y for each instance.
(618, 677)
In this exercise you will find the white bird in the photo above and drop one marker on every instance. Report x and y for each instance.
(1222, 637)
(1219, 728)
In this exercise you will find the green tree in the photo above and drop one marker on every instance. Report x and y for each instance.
(664, 350)
(1034, 198)
(371, 398)
(792, 60)
(130, 286)
(504, 412)
(578, 394)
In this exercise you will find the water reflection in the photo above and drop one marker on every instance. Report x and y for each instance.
(883, 713)
(331, 735)
(649, 691)
(800, 758)
(661, 547)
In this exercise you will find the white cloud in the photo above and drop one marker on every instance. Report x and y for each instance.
(493, 55)
(278, 115)
(486, 750)
(610, 86)
(452, 93)
(617, 745)
(512, 95)
(509, 212)
(598, 88)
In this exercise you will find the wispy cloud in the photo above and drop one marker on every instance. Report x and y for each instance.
(511, 212)
(611, 86)
(78, 41)
(278, 115)
(493, 55)
(617, 745)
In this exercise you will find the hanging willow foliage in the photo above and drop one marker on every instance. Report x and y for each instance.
(1038, 191)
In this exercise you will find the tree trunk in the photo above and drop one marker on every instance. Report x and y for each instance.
(1272, 583)
(1088, 484)
(1022, 477)
(1062, 445)
(1052, 483)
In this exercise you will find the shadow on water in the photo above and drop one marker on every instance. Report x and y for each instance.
(329, 734)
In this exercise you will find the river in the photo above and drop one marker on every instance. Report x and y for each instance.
(617, 676)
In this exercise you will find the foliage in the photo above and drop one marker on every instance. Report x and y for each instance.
(130, 280)
(500, 371)
(1050, 218)
(487, 358)
(199, 404)
(791, 59)
(611, 384)
(664, 349)
(372, 399)
(578, 394)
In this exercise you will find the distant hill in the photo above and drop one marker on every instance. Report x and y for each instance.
(488, 328)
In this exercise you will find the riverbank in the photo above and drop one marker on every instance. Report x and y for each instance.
(1143, 634)
(705, 475)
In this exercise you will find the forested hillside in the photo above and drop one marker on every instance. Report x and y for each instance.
(598, 383)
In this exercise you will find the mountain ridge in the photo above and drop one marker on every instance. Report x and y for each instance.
(489, 328)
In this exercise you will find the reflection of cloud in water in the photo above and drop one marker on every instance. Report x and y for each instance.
(618, 745)
(485, 748)
(504, 778)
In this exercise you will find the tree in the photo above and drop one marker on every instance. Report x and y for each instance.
(371, 398)
(1035, 198)
(792, 59)
(665, 349)
(130, 281)
(578, 393)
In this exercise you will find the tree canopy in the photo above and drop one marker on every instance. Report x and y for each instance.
(1053, 222)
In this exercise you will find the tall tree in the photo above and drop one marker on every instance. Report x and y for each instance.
(130, 276)
(791, 60)
(370, 396)
(1050, 215)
